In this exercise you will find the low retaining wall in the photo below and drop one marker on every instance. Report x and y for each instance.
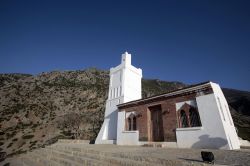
(73, 141)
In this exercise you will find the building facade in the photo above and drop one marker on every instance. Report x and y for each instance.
(193, 117)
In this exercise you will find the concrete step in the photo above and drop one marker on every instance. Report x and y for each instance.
(103, 159)
(160, 144)
(112, 158)
(106, 159)
(119, 158)
(44, 160)
(64, 162)
(67, 141)
(64, 158)
(27, 161)
(99, 154)
(80, 156)
(77, 154)
(12, 162)
(33, 159)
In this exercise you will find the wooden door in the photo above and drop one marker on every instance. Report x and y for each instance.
(157, 124)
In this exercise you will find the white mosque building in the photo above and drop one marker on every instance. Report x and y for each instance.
(197, 116)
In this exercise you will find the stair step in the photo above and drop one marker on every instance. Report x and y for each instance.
(89, 155)
(28, 161)
(109, 158)
(64, 158)
(76, 155)
(64, 162)
(44, 160)
(86, 158)
(12, 162)
(102, 155)
(36, 160)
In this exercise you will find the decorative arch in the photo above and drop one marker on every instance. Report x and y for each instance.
(132, 125)
(188, 116)
(194, 118)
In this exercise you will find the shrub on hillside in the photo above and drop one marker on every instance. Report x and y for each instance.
(27, 136)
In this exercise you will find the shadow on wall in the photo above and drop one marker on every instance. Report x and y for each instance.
(112, 124)
(210, 142)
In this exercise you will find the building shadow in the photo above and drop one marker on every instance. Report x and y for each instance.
(207, 142)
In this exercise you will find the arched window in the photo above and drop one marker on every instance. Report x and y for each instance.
(194, 118)
(184, 120)
(129, 124)
(134, 123)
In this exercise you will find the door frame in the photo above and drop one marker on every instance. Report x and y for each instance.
(150, 110)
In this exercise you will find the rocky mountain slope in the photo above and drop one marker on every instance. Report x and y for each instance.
(37, 110)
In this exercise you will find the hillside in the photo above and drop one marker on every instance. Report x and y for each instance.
(37, 110)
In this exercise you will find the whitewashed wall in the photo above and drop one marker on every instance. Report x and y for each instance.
(125, 137)
(215, 132)
(228, 123)
(124, 86)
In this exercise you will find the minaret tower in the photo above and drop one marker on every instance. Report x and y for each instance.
(124, 86)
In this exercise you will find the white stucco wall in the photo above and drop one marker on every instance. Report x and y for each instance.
(124, 86)
(125, 137)
(228, 123)
(215, 132)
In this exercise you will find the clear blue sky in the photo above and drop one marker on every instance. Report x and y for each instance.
(172, 40)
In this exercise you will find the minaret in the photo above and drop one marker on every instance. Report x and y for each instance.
(124, 86)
